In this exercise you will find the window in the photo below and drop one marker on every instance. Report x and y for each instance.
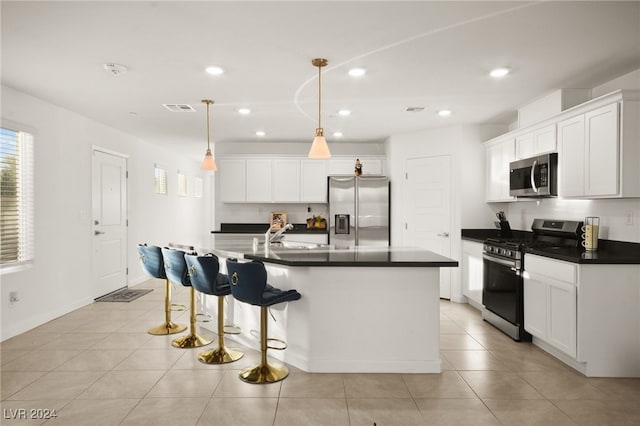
(16, 192)
(182, 184)
(160, 179)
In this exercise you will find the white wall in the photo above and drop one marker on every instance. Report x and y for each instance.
(464, 144)
(629, 81)
(59, 279)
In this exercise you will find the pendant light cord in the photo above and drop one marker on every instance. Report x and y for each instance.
(208, 131)
(319, 96)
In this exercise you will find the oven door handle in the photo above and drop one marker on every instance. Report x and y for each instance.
(509, 263)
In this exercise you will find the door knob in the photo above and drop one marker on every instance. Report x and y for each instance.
(443, 234)
(97, 233)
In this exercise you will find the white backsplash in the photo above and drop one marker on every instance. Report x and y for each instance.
(613, 215)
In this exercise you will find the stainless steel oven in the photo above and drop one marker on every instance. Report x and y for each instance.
(502, 288)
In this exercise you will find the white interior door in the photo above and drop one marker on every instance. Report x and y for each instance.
(109, 215)
(427, 201)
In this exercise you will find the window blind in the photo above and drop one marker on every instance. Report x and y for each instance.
(160, 179)
(17, 200)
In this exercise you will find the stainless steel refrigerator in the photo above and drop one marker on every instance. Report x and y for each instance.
(359, 211)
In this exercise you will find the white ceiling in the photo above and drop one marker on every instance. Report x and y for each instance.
(431, 54)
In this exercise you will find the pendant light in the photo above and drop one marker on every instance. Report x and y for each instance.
(319, 148)
(209, 163)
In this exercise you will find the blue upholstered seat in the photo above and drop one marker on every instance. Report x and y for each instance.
(249, 285)
(175, 266)
(205, 276)
(152, 261)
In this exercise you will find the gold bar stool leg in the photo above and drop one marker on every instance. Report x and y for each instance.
(264, 372)
(168, 327)
(221, 354)
(192, 340)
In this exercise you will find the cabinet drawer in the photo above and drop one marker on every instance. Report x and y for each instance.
(556, 269)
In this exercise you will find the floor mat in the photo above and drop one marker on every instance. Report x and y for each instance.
(124, 295)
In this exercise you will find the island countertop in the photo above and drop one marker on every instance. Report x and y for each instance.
(358, 256)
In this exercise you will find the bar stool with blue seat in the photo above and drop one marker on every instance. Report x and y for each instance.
(153, 264)
(176, 268)
(205, 276)
(249, 285)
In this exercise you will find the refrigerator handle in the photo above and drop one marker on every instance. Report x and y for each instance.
(356, 210)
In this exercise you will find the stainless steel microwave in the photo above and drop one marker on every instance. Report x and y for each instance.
(534, 177)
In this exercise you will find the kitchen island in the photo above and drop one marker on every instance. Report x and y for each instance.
(363, 309)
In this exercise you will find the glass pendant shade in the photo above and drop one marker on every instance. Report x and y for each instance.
(319, 148)
(209, 163)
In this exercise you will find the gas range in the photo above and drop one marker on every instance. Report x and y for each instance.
(503, 260)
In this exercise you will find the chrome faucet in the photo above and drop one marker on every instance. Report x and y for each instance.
(278, 235)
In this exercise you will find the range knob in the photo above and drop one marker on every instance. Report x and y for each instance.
(509, 253)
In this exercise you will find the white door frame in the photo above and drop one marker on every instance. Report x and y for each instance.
(95, 149)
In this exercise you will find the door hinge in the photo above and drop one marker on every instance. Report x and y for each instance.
(406, 176)
(127, 271)
(126, 174)
(406, 226)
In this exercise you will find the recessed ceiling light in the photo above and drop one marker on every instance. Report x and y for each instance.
(344, 112)
(337, 134)
(444, 113)
(213, 70)
(499, 72)
(357, 72)
(244, 111)
(260, 133)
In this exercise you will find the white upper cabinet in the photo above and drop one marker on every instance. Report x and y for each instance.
(602, 171)
(498, 156)
(571, 157)
(313, 179)
(258, 181)
(233, 180)
(286, 180)
(245, 179)
(589, 154)
(536, 142)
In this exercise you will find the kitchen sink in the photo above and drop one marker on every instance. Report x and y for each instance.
(299, 245)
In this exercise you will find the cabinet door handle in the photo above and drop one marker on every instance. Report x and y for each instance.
(533, 180)
(443, 234)
(97, 233)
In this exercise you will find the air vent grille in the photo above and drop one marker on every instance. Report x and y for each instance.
(179, 107)
(414, 109)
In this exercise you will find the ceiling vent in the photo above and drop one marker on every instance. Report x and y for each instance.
(179, 107)
(414, 109)
(114, 69)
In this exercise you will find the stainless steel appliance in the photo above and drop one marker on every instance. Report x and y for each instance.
(534, 177)
(359, 211)
(504, 261)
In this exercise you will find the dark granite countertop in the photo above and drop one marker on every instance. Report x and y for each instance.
(261, 228)
(331, 256)
(609, 251)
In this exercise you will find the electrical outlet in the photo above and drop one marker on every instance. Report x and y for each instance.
(629, 217)
(13, 297)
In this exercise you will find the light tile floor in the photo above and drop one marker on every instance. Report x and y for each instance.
(98, 366)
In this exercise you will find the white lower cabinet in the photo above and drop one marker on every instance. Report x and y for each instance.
(472, 271)
(550, 301)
